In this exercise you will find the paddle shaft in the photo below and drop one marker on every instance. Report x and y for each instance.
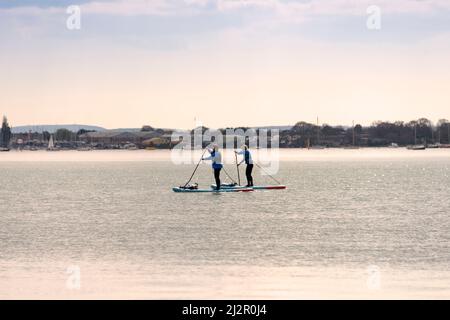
(237, 168)
(198, 164)
(228, 175)
(267, 173)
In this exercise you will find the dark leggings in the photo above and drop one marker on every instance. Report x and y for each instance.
(217, 177)
(248, 173)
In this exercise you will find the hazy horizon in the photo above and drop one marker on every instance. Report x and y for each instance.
(224, 63)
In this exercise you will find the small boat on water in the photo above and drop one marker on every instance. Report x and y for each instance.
(130, 146)
(417, 147)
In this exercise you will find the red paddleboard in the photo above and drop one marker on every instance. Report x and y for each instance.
(274, 187)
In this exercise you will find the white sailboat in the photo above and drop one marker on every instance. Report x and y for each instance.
(353, 146)
(51, 144)
(416, 146)
(434, 144)
(318, 146)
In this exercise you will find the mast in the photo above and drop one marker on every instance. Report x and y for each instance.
(439, 134)
(415, 133)
(432, 134)
(354, 133)
(318, 132)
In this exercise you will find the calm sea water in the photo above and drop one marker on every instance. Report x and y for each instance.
(368, 223)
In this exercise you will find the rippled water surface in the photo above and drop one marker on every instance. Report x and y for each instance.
(352, 224)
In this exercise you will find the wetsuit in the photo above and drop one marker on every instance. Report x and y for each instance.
(249, 162)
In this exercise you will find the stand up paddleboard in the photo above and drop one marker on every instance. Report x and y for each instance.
(234, 187)
(274, 187)
(183, 190)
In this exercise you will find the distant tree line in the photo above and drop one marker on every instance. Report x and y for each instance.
(65, 135)
(380, 133)
(61, 135)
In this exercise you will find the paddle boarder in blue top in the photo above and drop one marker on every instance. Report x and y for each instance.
(249, 162)
(216, 158)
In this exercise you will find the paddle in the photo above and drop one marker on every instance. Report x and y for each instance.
(195, 170)
(229, 175)
(237, 167)
(267, 173)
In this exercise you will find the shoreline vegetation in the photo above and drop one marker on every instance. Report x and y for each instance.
(415, 135)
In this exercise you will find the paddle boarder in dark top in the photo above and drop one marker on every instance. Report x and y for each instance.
(249, 162)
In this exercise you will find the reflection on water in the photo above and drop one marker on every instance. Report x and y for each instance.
(352, 224)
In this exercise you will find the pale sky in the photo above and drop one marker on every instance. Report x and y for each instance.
(224, 62)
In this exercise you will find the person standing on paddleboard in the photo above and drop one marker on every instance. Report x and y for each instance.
(217, 165)
(249, 162)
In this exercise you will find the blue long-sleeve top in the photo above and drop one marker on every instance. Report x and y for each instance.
(247, 157)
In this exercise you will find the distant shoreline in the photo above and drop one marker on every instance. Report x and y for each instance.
(417, 135)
